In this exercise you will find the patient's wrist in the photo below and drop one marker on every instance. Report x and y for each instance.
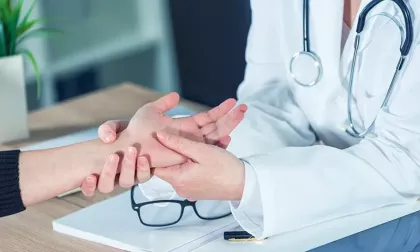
(120, 146)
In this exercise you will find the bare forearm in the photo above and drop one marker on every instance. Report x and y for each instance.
(47, 173)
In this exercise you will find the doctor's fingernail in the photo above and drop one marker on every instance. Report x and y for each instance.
(132, 153)
(160, 135)
(143, 164)
(107, 138)
(132, 150)
(90, 179)
(113, 157)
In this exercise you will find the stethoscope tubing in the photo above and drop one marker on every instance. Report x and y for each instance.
(405, 50)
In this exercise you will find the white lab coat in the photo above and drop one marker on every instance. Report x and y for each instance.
(292, 182)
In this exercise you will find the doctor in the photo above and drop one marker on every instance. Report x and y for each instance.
(337, 93)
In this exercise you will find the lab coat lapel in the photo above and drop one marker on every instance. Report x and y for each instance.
(326, 23)
(374, 22)
(370, 27)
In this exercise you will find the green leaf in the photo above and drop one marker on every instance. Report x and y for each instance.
(2, 42)
(5, 18)
(36, 70)
(3, 4)
(28, 14)
(13, 24)
(36, 32)
(24, 27)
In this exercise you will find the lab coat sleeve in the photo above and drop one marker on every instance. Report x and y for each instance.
(273, 119)
(303, 186)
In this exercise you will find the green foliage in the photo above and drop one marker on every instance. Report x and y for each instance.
(15, 28)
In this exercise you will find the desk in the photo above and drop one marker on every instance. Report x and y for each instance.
(31, 230)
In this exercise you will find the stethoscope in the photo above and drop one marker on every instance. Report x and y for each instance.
(310, 66)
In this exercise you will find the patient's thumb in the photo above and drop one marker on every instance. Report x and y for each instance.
(166, 102)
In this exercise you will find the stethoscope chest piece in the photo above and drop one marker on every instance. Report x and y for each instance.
(306, 68)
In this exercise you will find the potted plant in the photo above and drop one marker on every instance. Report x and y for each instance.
(15, 28)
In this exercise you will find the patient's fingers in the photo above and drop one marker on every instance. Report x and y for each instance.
(209, 128)
(225, 125)
(108, 131)
(214, 114)
(107, 178)
(143, 170)
(165, 103)
(89, 186)
(224, 142)
(128, 168)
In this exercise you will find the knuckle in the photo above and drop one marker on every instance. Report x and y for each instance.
(108, 174)
(128, 166)
(126, 184)
(143, 178)
(106, 189)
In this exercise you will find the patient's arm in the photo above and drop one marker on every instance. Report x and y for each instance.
(212, 127)
(45, 174)
(27, 178)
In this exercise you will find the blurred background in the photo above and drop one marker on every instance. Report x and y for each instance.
(194, 47)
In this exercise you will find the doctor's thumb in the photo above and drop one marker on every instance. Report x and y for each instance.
(183, 146)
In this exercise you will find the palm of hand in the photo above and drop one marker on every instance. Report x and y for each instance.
(209, 127)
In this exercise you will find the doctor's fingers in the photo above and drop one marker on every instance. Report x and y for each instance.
(214, 114)
(88, 186)
(224, 142)
(134, 169)
(191, 149)
(177, 177)
(108, 175)
(225, 125)
(128, 168)
(108, 131)
(143, 170)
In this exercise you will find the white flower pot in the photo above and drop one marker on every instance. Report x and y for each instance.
(13, 104)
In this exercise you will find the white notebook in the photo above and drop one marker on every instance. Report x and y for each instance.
(113, 223)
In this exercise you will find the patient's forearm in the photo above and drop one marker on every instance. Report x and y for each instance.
(45, 174)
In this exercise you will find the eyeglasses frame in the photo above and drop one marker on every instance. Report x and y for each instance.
(184, 203)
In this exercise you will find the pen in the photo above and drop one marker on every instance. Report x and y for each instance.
(239, 236)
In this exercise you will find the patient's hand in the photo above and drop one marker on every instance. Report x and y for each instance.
(212, 127)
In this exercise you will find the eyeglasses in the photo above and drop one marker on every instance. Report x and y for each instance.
(160, 213)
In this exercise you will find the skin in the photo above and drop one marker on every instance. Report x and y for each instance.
(351, 8)
(191, 179)
(224, 173)
(45, 174)
(212, 127)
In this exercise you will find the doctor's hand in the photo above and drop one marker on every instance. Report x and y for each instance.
(211, 172)
(212, 127)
